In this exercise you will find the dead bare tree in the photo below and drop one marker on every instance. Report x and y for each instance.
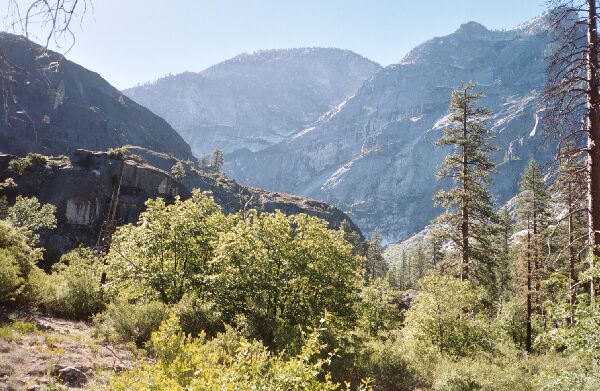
(48, 22)
(572, 98)
(52, 20)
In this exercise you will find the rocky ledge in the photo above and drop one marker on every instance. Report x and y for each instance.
(84, 185)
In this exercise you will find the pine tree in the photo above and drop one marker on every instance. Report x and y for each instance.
(218, 159)
(419, 260)
(375, 265)
(178, 171)
(533, 202)
(469, 221)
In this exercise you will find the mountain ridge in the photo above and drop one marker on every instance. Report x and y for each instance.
(375, 158)
(255, 99)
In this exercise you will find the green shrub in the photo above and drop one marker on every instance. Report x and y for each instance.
(10, 331)
(119, 153)
(30, 216)
(17, 260)
(196, 316)
(59, 161)
(11, 280)
(21, 166)
(38, 288)
(125, 322)
(227, 362)
(76, 290)
(449, 315)
(381, 359)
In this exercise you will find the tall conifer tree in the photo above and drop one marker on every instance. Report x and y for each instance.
(469, 221)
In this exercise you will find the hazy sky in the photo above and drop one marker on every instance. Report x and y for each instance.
(132, 41)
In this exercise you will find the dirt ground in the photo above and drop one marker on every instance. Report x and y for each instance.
(41, 353)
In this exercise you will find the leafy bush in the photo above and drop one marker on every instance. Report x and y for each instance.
(125, 322)
(282, 273)
(169, 252)
(29, 215)
(21, 166)
(119, 153)
(11, 280)
(196, 316)
(7, 185)
(18, 259)
(449, 316)
(76, 285)
(226, 362)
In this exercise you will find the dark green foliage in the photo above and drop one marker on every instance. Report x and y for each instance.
(469, 221)
(375, 265)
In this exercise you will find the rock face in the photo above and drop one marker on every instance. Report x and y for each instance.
(255, 99)
(373, 156)
(61, 106)
(83, 188)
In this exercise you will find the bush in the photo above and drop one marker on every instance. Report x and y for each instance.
(196, 316)
(382, 360)
(17, 260)
(119, 153)
(11, 280)
(227, 362)
(21, 166)
(76, 290)
(125, 322)
(449, 316)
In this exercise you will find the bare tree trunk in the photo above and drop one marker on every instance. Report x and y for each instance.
(593, 127)
(572, 256)
(528, 331)
(464, 273)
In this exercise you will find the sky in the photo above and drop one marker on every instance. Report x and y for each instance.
(134, 41)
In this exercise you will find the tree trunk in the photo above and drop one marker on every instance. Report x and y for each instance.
(464, 273)
(572, 256)
(528, 332)
(593, 130)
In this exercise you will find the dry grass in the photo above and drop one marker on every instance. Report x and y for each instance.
(32, 348)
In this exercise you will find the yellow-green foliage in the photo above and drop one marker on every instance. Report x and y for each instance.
(282, 273)
(13, 330)
(168, 252)
(18, 259)
(11, 278)
(227, 362)
(449, 316)
(21, 166)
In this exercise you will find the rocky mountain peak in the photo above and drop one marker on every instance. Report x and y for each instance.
(255, 99)
(473, 29)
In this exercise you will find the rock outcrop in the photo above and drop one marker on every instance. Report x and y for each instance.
(84, 187)
(255, 99)
(56, 106)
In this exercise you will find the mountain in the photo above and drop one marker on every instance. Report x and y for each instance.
(373, 155)
(56, 106)
(84, 186)
(256, 99)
